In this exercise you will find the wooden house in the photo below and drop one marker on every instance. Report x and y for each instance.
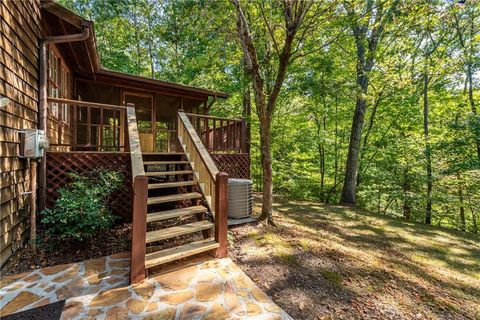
(175, 158)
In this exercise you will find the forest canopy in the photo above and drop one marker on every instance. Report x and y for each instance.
(378, 104)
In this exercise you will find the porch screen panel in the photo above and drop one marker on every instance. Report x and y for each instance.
(98, 129)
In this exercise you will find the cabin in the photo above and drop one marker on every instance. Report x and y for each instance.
(175, 158)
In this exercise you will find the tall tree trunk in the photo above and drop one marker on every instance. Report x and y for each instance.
(366, 136)
(351, 170)
(137, 37)
(473, 108)
(474, 221)
(150, 49)
(367, 34)
(428, 151)
(468, 53)
(266, 157)
(407, 210)
(321, 154)
(247, 112)
(462, 206)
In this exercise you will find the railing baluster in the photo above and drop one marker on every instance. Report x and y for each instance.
(222, 135)
(214, 134)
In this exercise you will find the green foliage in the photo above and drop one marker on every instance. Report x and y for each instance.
(82, 208)
(195, 43)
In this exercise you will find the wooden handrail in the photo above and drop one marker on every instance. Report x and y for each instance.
(195, 115)
(134, 143)
(140, 197)
(197, 143)
(212, 182)
(204, 167)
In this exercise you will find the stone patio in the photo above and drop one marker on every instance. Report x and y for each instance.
(98, 289)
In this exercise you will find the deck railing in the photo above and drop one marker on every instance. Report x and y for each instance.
(220, 135)
(87, 126)
(212, 182)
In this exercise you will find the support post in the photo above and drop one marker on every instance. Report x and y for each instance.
(139, 225)
(221, 214)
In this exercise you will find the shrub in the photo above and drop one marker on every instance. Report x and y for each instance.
(82, 208)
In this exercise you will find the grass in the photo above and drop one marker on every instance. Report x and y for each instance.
(333, 261)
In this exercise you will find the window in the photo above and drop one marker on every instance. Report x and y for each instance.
(59, 80)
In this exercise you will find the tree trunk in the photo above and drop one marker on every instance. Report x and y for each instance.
(321, 155)
(247, 113)
(367, 134)
(407, 210)
(472, 101)
(335, 165)
(462, 207)
(474, 221)
(351, 170)
(428, 151)
(266, 157)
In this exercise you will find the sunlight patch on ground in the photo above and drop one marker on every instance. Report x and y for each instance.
(406, 266)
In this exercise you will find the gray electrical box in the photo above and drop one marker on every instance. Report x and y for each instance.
(33, 143)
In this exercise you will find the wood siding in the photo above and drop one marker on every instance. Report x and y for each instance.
(19, 40)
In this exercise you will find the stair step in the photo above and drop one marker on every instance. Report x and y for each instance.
(175, 213)
(171, 184)
(186, 250)
(164, 162)
(176, 231)
(174, 197)
(167, 173)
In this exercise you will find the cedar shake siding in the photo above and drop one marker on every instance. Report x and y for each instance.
(19, 44)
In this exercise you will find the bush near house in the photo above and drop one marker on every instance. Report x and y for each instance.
(82, 209)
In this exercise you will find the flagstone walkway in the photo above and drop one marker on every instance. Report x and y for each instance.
(98, 289)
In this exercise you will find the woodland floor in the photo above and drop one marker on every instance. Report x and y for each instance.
(332, 262)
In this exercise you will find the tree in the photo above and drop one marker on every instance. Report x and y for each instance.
(297, 22)
(465, 22)
(368, 26)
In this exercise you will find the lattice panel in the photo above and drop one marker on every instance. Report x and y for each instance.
(237, 165)
(60, 164)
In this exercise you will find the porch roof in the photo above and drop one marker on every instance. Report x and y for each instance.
(83, 55)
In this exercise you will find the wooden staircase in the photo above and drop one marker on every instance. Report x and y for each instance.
(176, 196)
(176, 213)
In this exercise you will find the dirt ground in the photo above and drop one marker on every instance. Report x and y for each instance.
(326, 262)
(52, 251)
